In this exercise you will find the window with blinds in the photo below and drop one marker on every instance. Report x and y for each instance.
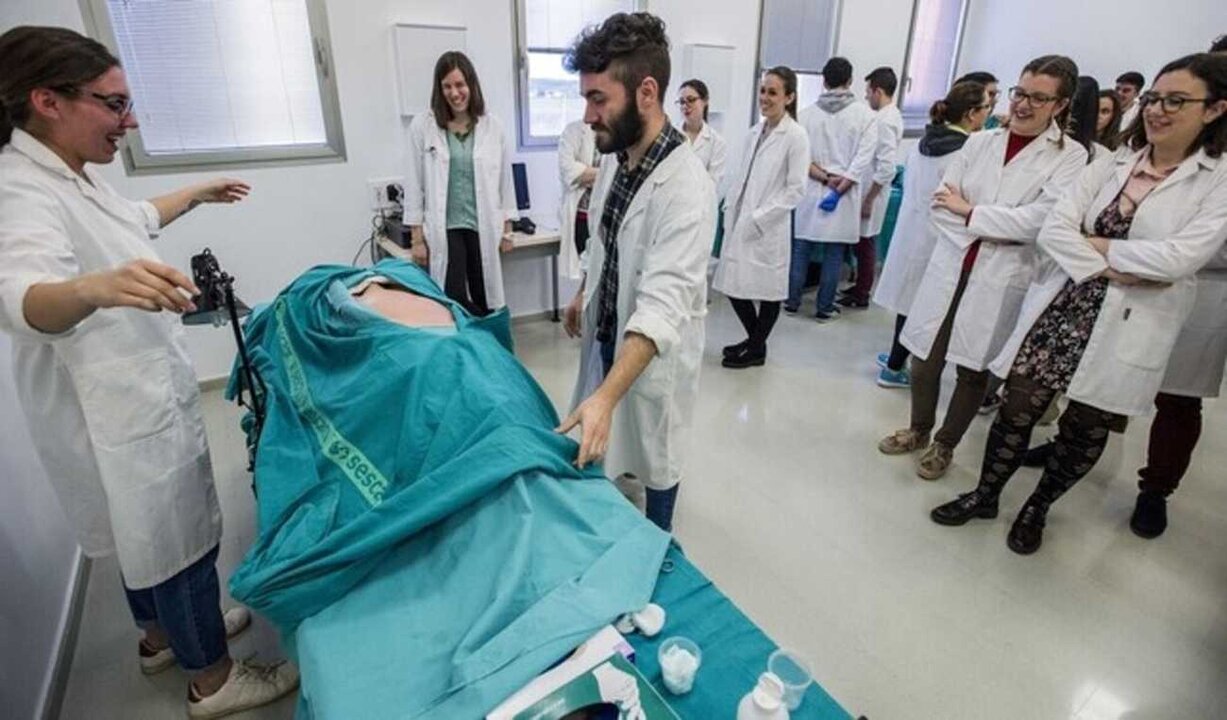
(799, 34)
(224, 81)
(932, 55)
(549, 96)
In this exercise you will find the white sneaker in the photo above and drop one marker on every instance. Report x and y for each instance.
(249, 686)
(237, 619)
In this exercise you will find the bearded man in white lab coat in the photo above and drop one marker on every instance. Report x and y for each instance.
(641, 305)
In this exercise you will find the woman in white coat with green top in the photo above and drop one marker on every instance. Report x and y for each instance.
(1102, 317)
(459, 200)
(992, 203)
(761, 195)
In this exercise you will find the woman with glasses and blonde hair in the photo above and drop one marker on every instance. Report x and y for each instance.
(987, 213)
(1122, 250)
(102, 370)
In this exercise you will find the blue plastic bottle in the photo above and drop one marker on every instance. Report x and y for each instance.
(830, 201)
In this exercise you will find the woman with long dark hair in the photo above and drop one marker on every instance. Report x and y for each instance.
(768, 184)
(459, 200)
(103, 373)
(1107, 124)
(1122, 250)
(693, 99)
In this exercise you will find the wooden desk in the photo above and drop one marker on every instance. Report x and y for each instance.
(546, 243)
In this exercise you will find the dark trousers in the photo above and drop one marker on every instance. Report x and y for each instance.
(926, 385)
(187, 607)
(1081, 437)
(866, 262)
(1173, 435)
(757, 322)
(465, 282)
(581, 232)
(898, 353)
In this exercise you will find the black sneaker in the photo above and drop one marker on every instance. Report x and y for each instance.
(744, 359)
(735, 348)
(1149, 516)
(826, 317)
(851, 301)
(1027, 533)
(791, 309)
(966, 507)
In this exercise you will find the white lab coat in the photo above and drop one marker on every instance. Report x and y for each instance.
(911, 244)
(757, 234)
(1011, 203)
(1176, 230)
(663, 244)
(576, 150)
(889, 124)
(842, 143)
(1195, 368)
(712, 151)
(426, 194)
(112, 404)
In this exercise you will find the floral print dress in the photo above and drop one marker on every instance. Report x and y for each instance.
(1052, 350)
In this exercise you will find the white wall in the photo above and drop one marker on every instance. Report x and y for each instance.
(1104, 38)
(38, 561)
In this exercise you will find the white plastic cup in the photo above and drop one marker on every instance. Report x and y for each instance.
(794, 672)
(678, 681)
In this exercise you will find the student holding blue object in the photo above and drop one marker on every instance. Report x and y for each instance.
(459, 201)
(843, 138)
(641, 306)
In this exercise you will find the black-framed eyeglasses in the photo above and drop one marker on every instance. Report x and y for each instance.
(687, 101)
(119, 104)
(1171, 104)
(1018, 95)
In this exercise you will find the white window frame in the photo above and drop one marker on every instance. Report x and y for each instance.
(138, 161)
(913, 125)
(836, 24)
(521, 50)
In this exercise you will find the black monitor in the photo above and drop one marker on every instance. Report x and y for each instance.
(519, 176)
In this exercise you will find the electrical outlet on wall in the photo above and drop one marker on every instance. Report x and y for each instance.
(377, 192)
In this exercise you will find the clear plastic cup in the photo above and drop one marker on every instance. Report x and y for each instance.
(794, 672)
(678, 679)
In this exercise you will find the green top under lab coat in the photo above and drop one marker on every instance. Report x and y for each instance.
(461, 189)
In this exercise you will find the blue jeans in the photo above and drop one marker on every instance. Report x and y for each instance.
(187, 607)
(832, 264)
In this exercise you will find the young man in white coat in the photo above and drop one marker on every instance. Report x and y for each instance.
(880, 94)
(578, 162)
(842, 142)
(641, 306)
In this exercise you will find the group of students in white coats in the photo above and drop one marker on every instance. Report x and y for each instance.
(1018, 255)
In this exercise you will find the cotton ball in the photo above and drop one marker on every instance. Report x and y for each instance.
(678, 668)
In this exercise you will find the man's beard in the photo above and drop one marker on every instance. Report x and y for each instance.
(626, 130)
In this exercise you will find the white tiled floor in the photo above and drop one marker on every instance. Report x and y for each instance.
(828, 546)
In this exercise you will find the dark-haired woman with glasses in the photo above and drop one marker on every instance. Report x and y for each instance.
(101, 367)
(708, 145)
(986, 213)
(1122, 251)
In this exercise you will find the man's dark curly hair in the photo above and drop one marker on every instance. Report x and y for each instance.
(633, 45)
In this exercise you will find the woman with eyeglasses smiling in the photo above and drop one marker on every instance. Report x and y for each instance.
(103, 375)
(1122, 250)
(693, 99)
(986, 214)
